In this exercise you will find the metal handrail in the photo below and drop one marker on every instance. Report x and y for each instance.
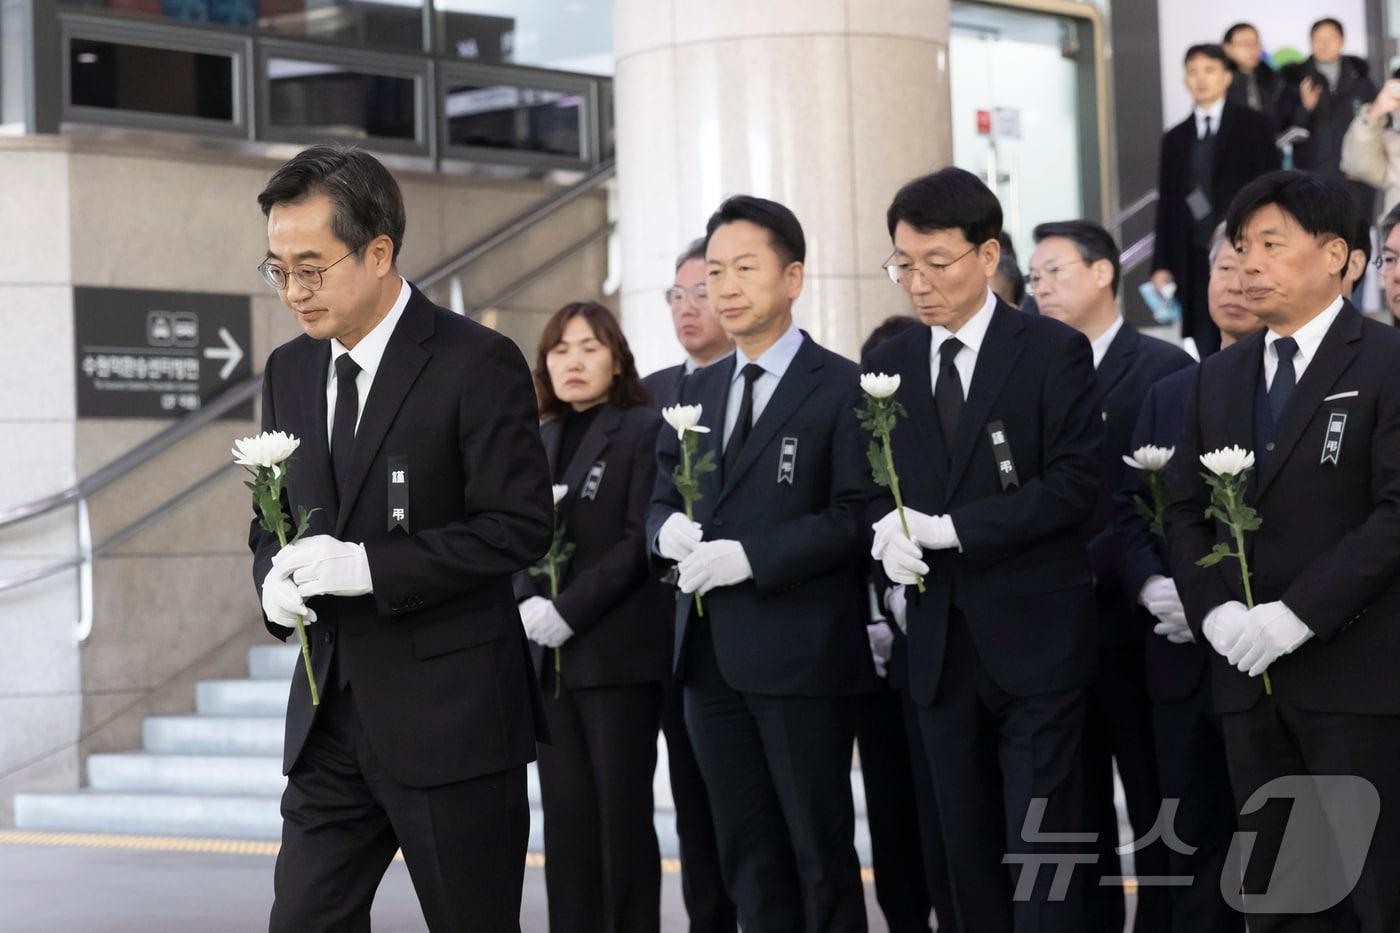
(528, 278)
(1137, 254)
(516, 225)
(1117, 220)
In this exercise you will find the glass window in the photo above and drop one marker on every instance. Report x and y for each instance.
(520, 118)
(565, 35)
(340, 101)
(120, 76)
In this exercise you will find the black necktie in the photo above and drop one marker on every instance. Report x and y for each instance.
(1207, 133)
(347, 412)
(948, 392)
(744, 424)
(1285, 378)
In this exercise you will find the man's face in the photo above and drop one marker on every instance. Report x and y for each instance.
(1327, 43)
(1244, 49)
(946, 277)
(751, 288)
(346, 305)
(1206, 79)
(1067, 288)
(697, 327)
(1390, 268)
(1226, 296)
(1288, 274)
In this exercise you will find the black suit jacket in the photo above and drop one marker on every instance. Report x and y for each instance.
(1022, 577)
(618, 611)
(665, 385)
(1244, 150)
(435, 655)
(1173, 671)
(1271, 93)
(1329, 546)
(798, 627)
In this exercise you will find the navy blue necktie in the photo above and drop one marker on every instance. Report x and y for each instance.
(1285, 378)
(744, 423)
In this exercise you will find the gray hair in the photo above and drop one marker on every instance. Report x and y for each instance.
(1217, 240)
(1389, 222)
(366, 199)
(696, 250)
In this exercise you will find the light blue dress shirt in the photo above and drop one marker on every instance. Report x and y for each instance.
(775, 362)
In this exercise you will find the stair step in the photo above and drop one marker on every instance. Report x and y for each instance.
(273, 662)
(151, 814)
(248, 698)
(213, 735)
(187, 774)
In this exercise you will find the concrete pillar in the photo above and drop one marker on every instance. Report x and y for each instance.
(825, 105)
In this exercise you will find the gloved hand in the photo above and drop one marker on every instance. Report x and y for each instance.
(881, 643)
(678, 537)
(934, 532)
(543, 624)
(897, 605)
(323, 566)
(902, 559)
(1160, 597)
(1224, 626)
(281, 602)
(712, 564)
(1272, 631)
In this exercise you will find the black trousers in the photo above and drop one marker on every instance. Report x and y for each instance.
(343, 817)
(991, 754)
(779, 774)
(901, 883)
(1191, 770)
(937, 880)
(1275, 739)
(702, 884)
(602, 867)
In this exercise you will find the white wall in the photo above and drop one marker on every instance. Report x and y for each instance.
(1281, 23)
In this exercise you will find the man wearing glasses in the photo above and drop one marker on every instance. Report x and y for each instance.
(697, 327)
(998, 460)
(421, 459)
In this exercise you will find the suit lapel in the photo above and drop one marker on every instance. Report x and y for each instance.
(1116, 362)
(797, 383)
(1241, 384)
(594, 442)
(917, 398)
(314, 454)
(997, 357)
(1334, 355)
(551, 435)
(404, 358)
(713, 404)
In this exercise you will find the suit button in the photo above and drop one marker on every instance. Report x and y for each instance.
(328, 637)
(1269, 446)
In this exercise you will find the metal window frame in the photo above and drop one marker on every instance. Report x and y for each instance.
(122, 31)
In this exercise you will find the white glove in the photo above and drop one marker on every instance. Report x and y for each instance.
(881, 643)
(678, 537)
(281, 602)
(897, 605)
(902, 560)
(934, 532)
(1273, 631)
(1224, 626)
(543, 624)
(1160, 597)
(712, 564)
(323, 566)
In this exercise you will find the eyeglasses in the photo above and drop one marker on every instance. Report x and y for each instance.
(698, 296)
(1049, 273)
(308, 277)
(1385, 263)
(902, 273)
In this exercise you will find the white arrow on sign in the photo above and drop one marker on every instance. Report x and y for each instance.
(231, 353)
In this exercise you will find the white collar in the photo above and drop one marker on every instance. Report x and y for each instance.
(1105, 340)
(1309, 336)
(973, 330)
(370, 350)
(1213, 112)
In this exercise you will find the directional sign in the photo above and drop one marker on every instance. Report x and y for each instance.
(146, 354)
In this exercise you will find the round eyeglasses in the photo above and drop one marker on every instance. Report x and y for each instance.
(308, 277)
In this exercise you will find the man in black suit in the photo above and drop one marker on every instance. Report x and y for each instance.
(421, 458)
(1075, 274)
(998, 461)
(1256, 85)
(773, 667)
(1316, 398)
(1190, 750)
(697, 328)
(1206, 159)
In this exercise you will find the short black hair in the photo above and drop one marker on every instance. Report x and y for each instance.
(1389, 222)
(1209, 50)
(696, 250)
(784, 232)
(1360, 238)
(1230, 33)
(949, 199)
(365, 197)
(1092, 240)
(1007, 247)
(1327, 21)
(1008, 269)
(889, 328)
(1320, 204)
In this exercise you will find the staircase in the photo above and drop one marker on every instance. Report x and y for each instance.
(218, 773)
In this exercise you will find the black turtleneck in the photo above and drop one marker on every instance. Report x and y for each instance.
(575, 426)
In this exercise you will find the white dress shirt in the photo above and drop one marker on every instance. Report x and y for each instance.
(1101, 345)
(1213, 111)
(367, 353)
(1309, 338)
(775, 362)
(972, 333)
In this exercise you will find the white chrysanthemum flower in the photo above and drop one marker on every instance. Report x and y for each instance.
(1228, 461)
(879, 385)
(560, 491)
(269, 450)
(684, 418)
(1151, 458)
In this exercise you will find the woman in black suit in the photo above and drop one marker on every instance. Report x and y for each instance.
(602, 646)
